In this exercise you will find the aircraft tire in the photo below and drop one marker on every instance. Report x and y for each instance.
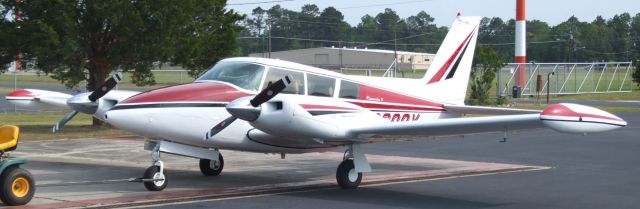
(208, 168)
(346, 175)
(18, 186)
(153, 172)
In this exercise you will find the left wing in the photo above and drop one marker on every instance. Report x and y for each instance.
(453, 126)
(37, 99)
(564, 117)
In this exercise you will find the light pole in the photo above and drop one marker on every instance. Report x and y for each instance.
(549, 81)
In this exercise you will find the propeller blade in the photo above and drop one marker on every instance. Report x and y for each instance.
(64, 120)
(219, 127)
(249, 113)
(106, 87)
(271, 91)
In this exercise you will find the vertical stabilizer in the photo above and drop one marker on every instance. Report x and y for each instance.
(447, 78)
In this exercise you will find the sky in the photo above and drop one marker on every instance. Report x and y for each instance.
(444, 11)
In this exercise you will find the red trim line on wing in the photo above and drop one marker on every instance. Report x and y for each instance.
(561, 110)
(21, 93)
(447, 64)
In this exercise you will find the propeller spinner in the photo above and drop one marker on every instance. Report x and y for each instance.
(87, 104)
(249, 109)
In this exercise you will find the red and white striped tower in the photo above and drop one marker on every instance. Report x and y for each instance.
(521, 43)
(18, 17)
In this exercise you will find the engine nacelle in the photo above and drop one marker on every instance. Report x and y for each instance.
(284, 117)
(574, 118)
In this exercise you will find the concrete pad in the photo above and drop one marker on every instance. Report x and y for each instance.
(94, 173)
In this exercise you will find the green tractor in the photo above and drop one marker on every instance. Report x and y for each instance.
(16, 184)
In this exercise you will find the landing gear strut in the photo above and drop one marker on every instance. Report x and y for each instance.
(155, 177)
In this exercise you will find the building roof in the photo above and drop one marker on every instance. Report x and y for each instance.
(383, 51)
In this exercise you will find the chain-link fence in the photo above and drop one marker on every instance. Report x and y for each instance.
(567, 78)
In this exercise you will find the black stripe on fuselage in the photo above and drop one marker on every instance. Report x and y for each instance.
(223, 104)
(328, 112)
(167, 105)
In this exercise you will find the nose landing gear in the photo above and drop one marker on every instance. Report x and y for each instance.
(155, 177)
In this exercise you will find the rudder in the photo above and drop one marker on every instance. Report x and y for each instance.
(451, 67)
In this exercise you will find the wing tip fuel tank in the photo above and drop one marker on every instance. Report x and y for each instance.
(575, 118)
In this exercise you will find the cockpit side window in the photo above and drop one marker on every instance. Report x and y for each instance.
(244, 75)
(320, 85)
(349, 90)
(297, 80)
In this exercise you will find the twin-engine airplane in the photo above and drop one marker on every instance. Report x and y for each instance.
(274, 106)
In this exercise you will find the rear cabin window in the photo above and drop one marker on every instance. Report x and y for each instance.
(349, 90)
(320, 86)
(297, 80)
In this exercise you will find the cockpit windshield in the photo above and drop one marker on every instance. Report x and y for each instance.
(243, 75)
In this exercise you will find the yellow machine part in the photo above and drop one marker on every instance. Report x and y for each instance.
(8, 137)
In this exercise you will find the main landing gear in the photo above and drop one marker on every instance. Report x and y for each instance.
(212, 167)
(354, 163)
(155, 177)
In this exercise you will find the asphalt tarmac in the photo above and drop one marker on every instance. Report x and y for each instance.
(95, 173)
(593, 171)
(533, 169)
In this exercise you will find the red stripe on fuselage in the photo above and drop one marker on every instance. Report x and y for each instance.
(191, 92)
(369, 93)
(324, 107)
(373, 97)
(447, 64)
(392, 107)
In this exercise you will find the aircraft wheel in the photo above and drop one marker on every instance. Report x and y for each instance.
(153, 172)
(347, 176)
(211, 167)
(18, 186)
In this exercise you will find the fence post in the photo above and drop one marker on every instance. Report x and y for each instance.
(498, 83)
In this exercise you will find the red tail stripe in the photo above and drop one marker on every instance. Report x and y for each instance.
(447, 64)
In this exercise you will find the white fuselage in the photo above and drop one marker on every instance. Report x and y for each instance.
(185, 113)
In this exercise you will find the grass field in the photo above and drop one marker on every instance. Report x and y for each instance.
(167, 76)
(38, 125)
(4, 90)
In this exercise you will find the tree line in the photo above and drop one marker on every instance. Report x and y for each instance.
(574, 40)
(80, 40)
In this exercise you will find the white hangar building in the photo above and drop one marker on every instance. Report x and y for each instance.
(353, 58)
